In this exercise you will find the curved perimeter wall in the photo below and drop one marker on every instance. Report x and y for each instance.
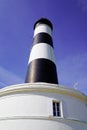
(30, 106)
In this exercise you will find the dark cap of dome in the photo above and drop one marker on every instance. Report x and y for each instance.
(43, 21)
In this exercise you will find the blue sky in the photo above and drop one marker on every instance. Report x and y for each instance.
(69, 18)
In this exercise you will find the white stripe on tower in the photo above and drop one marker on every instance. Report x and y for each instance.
(41, 65)
(42, 28)
(42, 50)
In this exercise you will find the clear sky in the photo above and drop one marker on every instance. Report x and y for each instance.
(69, 18)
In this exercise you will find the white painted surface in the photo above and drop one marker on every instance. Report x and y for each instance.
(42, 50)
(41, 105)
(41, 124)
(73, 108)
(42, 28)
(23, 107)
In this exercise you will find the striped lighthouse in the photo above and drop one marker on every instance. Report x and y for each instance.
(42, 104)
(41, 65)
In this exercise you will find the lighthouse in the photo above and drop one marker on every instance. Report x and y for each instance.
(41, 103)
(41, 65)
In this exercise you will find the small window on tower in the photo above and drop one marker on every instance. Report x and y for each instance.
(56, 108)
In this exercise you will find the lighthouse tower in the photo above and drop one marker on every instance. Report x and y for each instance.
(41, 65)
(41, 103)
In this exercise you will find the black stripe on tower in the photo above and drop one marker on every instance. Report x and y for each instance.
(43, 38)
(42, 70)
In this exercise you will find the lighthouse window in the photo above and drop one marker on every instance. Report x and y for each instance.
(56, 108)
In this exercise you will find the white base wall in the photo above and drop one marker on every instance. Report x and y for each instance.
(41, 124)
(29, 107)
